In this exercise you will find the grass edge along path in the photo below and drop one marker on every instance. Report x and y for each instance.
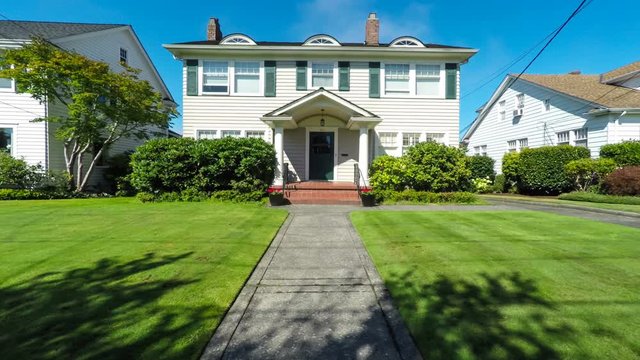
(509, 284)
(114, 278)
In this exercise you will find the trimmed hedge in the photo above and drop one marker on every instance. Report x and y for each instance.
(588, 172)
(624, 154)
(600, 198)
(191, 195)
(24, 194)
(510, 170)
(424, 197)
(436, 167)
(389, 173)
(624, 181)
(541, 170)
(244, 165)
(481, 167)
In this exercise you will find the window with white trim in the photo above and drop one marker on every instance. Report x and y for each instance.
(512, 145)
(563, 138)
(580, 137)
(483, 150)
(215, 77)
(523, 143)
(546, 104)
(6, 84)
(437, 137)
(322, 75)
(123, 56)
(476, 150)
(388, 139)
(409, 139)
(257, 134)
(396, 78)
(503, 111)
(6, 139)
(520, 101)
(427, 79)
(231, 133)
(206, 134)
(247, 77)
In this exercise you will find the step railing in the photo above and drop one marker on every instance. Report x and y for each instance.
(285, 176)
(357, 176)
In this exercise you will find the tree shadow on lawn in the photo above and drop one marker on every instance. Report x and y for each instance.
(458, 319)
(96, 312)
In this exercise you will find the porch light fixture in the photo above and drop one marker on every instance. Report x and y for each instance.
(322, 117)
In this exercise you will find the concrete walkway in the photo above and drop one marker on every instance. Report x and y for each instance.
(314, 295)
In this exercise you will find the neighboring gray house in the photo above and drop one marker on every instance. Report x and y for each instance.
(574, 109)
(324, 104)
(112, 43)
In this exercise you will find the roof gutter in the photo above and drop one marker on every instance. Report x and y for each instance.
(181, 51)
(598, 112)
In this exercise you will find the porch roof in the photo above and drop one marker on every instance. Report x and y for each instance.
(317, 102)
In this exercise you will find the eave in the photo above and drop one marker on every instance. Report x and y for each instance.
(183, 51)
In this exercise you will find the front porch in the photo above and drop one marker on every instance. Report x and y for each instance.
(322, 193)
(321, 136)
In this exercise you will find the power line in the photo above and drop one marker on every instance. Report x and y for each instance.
(554, 33)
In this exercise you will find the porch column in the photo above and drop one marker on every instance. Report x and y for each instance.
(363, 155)
(278, 144)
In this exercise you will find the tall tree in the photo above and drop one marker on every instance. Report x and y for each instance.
(103, 106)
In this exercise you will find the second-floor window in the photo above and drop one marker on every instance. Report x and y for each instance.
(215, 77)
(322, 75)
(427, 79)
(396, 79)
(6, 84)
(123, 56)
(247, 77)
(520, 101)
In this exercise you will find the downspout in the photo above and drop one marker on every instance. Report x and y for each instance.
(616, 123)
(46, 134)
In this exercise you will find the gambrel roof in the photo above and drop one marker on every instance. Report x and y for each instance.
(22, 30)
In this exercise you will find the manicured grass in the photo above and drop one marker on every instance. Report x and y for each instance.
(510, 285)
(116, 279)
(552, 200)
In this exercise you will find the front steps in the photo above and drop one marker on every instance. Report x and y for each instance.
(322, 193)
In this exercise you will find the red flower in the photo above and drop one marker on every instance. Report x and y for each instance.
(365, 189)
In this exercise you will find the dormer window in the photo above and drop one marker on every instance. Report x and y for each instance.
(406, 41)
(237, 39)
(322, 40)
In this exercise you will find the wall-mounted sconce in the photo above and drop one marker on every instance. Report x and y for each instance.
(322, 117)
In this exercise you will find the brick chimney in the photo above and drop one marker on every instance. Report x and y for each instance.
(372, 31)
(575, 72)
(213, 30)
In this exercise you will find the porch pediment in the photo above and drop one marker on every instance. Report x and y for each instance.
(323, 102)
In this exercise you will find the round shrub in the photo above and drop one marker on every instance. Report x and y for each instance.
(175, 165)
(388, 173)
(437, 167)
(541, 170)
(481, 167)
(588, 172)
(624, 181)
(624, 153)
(14, 173)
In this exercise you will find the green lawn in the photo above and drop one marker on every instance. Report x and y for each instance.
(510, 285)
(116, 279)
(551, 201)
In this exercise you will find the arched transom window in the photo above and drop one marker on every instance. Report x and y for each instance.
(407, 41)
(237, 40)
(324, 40)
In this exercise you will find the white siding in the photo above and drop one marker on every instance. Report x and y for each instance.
(244, 112)
(294, 152)
(627, 128)
(18, 111)
(347, 153)
(537, 125)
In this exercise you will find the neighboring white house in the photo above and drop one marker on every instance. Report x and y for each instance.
(574, 109)
(325, 105)
(114, 44)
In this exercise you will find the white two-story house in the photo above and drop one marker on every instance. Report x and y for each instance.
(572, 109)
(324, 104)
(35, 142)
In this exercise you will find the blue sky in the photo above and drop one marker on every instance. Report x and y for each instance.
(604, 36)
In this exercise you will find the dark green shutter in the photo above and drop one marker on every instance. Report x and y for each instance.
(343, 71)
(451, 79)
(374, 79)
(301, 75)
(270, 78)
(192, 77)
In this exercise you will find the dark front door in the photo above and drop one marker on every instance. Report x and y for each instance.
(321, 145)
